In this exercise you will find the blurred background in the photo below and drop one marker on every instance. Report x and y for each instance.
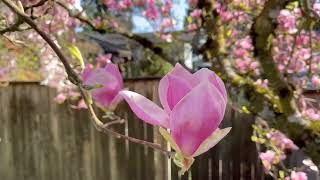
(266, 52)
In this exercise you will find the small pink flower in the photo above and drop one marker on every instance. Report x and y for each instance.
(109, 3)
(297, 176)
(114, 24)
(315, 80)
(152, 11)
(196, 13)
(287, 21)
(166, 23)
(240, 53)
(311, 113)
(192, 27)
(166, 37)
(282, 141)
(242, 65)
(254, 65)
(103, 60)
(140, 2)
(193, 2)
(60, 98)
(316, 7)
(225, 15)
(245, 43)
(263, 83)
(82, 104)
(193, 108)
(166, 9)
(268, 158)
(107, 83)
(302, 40)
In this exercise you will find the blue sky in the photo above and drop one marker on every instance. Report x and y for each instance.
(142, 25)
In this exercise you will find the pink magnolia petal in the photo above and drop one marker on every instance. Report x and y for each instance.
(181, 72)
(110, 86)
(114, 70)
(163, 89)
(206, 74)
(196, 116)
(87, 71)
(145, 109)
(212, 140)
(177, 71)
(177, 89)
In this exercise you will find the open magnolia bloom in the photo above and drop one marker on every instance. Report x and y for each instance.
(193, 108)
(106, 83)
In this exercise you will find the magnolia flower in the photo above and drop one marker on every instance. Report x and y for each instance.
(60, 98)
(267, 159)
(106, 83)
(193, 108)
(281, 140)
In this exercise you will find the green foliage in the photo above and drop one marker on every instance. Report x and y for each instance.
(74, 50)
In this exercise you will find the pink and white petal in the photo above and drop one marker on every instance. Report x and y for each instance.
(177, 89)
(104, 97)
(177, 71)
(196, 116)
(87, 71)
(115, 101)
(100, 76)
(163, 89)
(114, 70)
(110, 86)
(145, 109)
(206, 74)
(181, 72)
(211, 141)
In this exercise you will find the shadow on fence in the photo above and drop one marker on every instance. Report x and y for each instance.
(41, 140)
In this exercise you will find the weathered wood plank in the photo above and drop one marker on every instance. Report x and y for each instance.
(44, 140)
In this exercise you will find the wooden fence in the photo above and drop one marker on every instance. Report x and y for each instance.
(42, 140)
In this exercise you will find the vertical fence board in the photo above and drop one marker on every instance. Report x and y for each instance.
(40, 139)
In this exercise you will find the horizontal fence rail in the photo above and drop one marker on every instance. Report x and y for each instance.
(42, 140)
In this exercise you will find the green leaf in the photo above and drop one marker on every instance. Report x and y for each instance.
(74, 50)
(245, 110)
(254, 138)
(281, 174)
(189, 19)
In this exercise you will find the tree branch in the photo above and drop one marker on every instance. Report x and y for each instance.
(262, 33)
(75, 79)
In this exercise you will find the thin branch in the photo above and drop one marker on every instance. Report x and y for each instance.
(12, 28)
(40, 3)
(145, 42)
(104, 128)
(261, 33)
(75, 79)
